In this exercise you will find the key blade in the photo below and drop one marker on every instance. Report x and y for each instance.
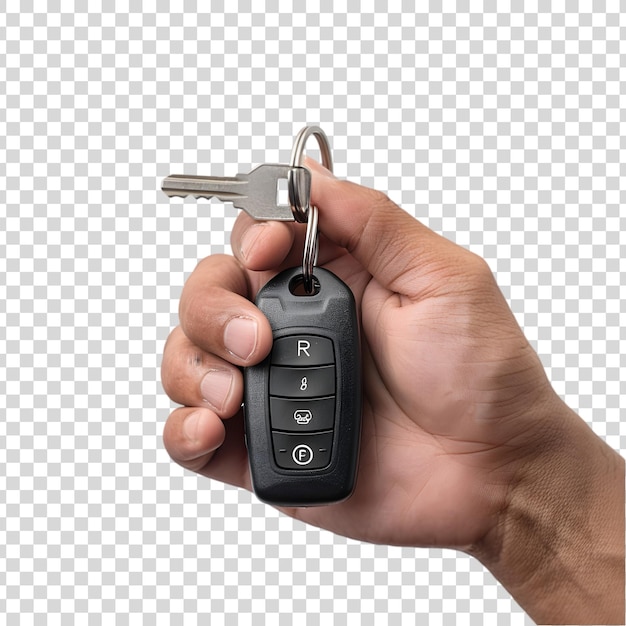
(255, 193)
(225, 188)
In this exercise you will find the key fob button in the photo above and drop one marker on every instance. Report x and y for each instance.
(302, 415)
(303, 351)
(304, 452)
(300, 382)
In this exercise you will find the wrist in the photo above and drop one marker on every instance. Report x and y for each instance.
(558, 546)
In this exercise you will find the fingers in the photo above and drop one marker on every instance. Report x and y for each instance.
(273, 245)
(261, 245)
(195, 378)
(216, 315)
(404, 255)
(198, 436)
(192, 435)
(201, 442)
(220, 330)
(394, 247)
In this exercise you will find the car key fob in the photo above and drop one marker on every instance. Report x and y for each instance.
(303, 402)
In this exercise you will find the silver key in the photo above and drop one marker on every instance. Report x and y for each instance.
(256, 193)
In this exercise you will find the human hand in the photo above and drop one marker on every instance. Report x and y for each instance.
(449, 378)
(457, 406)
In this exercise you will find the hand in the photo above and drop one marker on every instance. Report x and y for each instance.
(445, 365)
(457, 406)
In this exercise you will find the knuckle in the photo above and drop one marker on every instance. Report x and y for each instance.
(168, 368)
(171, 434)
(197, 308)
(166, 378)
(478, 268)
(381, 209)
(181, 361)
(380, 200)
(179, 447)
(174, 377)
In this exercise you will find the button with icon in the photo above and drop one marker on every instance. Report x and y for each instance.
(302, 451)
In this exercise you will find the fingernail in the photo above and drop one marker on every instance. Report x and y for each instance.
(215, 388)
(240, 337)
(249, 239)
(190, 426)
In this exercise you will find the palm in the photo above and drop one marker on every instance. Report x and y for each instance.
(416, 482)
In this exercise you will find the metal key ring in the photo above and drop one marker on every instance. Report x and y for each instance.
(308, 214)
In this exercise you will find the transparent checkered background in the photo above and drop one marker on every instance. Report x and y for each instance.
(503, 130)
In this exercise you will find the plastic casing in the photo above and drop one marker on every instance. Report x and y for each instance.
(329, 313)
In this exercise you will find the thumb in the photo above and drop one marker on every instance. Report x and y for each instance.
(399, 251)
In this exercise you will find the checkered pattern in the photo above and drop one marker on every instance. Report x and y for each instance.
(501, 129)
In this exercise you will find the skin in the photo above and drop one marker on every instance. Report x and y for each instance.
(465, 444)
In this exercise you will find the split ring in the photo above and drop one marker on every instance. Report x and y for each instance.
(308, 214)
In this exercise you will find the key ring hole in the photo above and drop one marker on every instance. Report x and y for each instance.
(298, 288)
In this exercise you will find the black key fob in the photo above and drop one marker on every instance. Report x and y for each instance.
(303, 402)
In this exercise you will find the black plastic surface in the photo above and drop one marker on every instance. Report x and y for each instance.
(329, 314)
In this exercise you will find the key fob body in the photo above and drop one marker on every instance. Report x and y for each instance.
(302, 404)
